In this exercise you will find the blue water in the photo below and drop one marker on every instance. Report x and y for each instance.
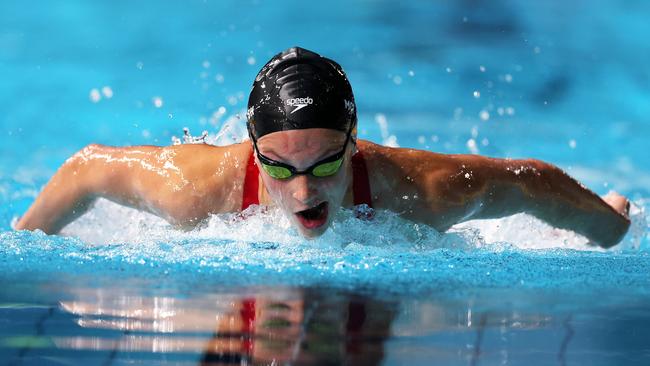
(565, 82)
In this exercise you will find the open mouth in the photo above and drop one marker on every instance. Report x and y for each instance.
(314, 217)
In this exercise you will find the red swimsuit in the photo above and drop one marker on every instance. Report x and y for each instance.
(360, 183)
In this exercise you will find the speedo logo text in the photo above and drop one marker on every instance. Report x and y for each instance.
(299, 103)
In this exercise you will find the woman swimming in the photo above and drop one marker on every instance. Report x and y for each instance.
(302, 127)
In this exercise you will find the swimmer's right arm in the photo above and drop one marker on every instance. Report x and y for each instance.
(164, 181)
(93, 172)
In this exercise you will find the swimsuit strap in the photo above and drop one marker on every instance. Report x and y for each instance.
(360, 182)
(251, 184)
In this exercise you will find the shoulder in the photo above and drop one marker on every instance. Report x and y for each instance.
(398, 172)
(190, 178)
(397, 162)
(208, 167)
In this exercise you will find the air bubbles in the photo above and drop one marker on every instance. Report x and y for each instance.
(507, 78)
(411, 73)
(250, 60)
(484, 115)
(476, 94)
(157, 102)
(537, 50)
(146, 134)
(449, 70)
(481, 68)
(422, 140)
(139, 65)
(218, 78)
(206, 64)
(397, 79)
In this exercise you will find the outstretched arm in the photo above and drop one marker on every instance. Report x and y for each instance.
(95, 171)
(181, 184)
(443, 190)
(503, 187)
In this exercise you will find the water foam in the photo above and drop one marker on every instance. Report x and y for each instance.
(110, 223)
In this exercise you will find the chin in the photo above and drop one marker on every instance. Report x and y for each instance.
(311, 233)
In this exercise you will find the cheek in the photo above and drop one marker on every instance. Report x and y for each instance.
(276, 188)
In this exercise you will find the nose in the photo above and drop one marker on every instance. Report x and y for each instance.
(303, 189)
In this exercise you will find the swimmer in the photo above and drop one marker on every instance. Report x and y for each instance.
(304, 157)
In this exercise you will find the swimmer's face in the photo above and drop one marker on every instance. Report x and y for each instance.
(310, 202)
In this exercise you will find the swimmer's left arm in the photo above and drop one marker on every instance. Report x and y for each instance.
(491, 188)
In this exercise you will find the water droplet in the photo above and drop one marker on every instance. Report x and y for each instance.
(157, 102)
(458, 113)
(95, 96)
(471, 146)
(108, 92)
(572, 143)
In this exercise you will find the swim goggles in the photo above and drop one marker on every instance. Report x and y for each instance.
(323, 168)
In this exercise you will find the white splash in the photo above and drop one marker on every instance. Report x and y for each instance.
(110, 223)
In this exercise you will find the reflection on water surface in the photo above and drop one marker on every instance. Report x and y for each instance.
(303, 326)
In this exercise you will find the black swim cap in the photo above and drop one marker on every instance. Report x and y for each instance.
(300, 89)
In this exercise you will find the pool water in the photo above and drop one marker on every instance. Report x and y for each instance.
(565, 82)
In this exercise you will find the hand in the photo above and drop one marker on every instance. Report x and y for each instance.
(618, 202)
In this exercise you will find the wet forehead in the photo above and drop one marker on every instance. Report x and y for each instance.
(299, 145)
